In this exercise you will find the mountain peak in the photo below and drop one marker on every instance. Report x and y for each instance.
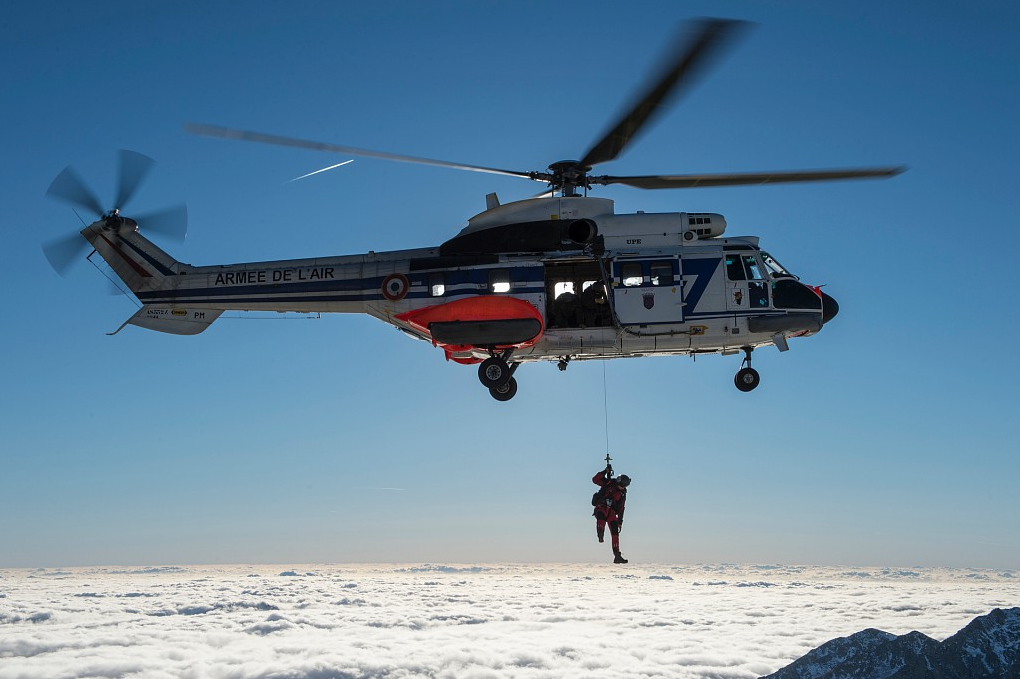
(987, 648)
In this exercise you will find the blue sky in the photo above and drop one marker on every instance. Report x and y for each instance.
(889, 439)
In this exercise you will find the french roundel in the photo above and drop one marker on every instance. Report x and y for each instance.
(394, 287)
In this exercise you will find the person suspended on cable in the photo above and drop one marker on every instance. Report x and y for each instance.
(610, 501)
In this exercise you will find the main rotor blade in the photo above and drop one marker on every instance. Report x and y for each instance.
(689, 181)
(681, 69)
(65, 251)
(69, 188)
(171, 221)
(244, 135)
(133, 168)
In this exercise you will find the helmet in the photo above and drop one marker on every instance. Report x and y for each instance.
(623, 480)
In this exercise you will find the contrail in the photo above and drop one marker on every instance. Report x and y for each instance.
(318, 171)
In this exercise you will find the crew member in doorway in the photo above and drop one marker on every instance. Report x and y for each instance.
(594, 309)
(610, 502)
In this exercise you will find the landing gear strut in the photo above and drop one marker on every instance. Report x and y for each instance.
(747, 377)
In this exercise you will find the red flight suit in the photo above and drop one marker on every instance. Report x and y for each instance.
(610, 508)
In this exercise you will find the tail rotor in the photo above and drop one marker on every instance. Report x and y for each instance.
(134, 167)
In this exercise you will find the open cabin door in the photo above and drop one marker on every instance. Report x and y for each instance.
(576, 295)
(648, 290)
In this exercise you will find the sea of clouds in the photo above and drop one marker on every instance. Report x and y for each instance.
(465, 622)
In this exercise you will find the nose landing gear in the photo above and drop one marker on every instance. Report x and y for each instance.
(747, 378)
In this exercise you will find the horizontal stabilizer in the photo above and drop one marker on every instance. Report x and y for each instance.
(173, 320)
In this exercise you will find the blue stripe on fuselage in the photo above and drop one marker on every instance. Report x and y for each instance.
(702, 268)
(350, 290)
(288, 296)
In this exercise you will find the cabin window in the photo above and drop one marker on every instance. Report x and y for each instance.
(661, 273)
(735, 268)
(754, 272)
(499, 280)
(631, 274)
(562, 287)
(437, 284)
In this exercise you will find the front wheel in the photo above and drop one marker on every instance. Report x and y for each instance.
(746, 379)
(506, 392)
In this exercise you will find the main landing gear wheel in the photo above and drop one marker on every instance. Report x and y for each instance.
(506, 392)
(494, 373)
(747, 377)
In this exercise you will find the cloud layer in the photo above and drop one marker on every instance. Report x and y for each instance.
(464, 622)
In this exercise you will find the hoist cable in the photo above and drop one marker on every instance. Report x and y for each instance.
(605, 392)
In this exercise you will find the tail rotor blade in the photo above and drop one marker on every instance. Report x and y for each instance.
(63, 252)
(171, 221)
(69, 188)
(134, 167)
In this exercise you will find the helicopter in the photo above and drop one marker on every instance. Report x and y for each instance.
(559, 277)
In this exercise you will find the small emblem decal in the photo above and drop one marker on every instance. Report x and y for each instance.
(649, 299)
(394, 287)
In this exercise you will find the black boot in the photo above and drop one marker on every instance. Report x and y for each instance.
(619, 558)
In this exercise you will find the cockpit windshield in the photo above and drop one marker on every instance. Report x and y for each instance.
(776, 269)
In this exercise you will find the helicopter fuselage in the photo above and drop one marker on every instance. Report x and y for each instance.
(558, 278)
(547, 279)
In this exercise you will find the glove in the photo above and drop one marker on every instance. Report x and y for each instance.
(619, 526)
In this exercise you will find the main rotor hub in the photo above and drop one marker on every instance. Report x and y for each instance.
(568, 175)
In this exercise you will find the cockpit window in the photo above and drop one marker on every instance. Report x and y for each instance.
(775, 269)
(734, 268)
(754, 272)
